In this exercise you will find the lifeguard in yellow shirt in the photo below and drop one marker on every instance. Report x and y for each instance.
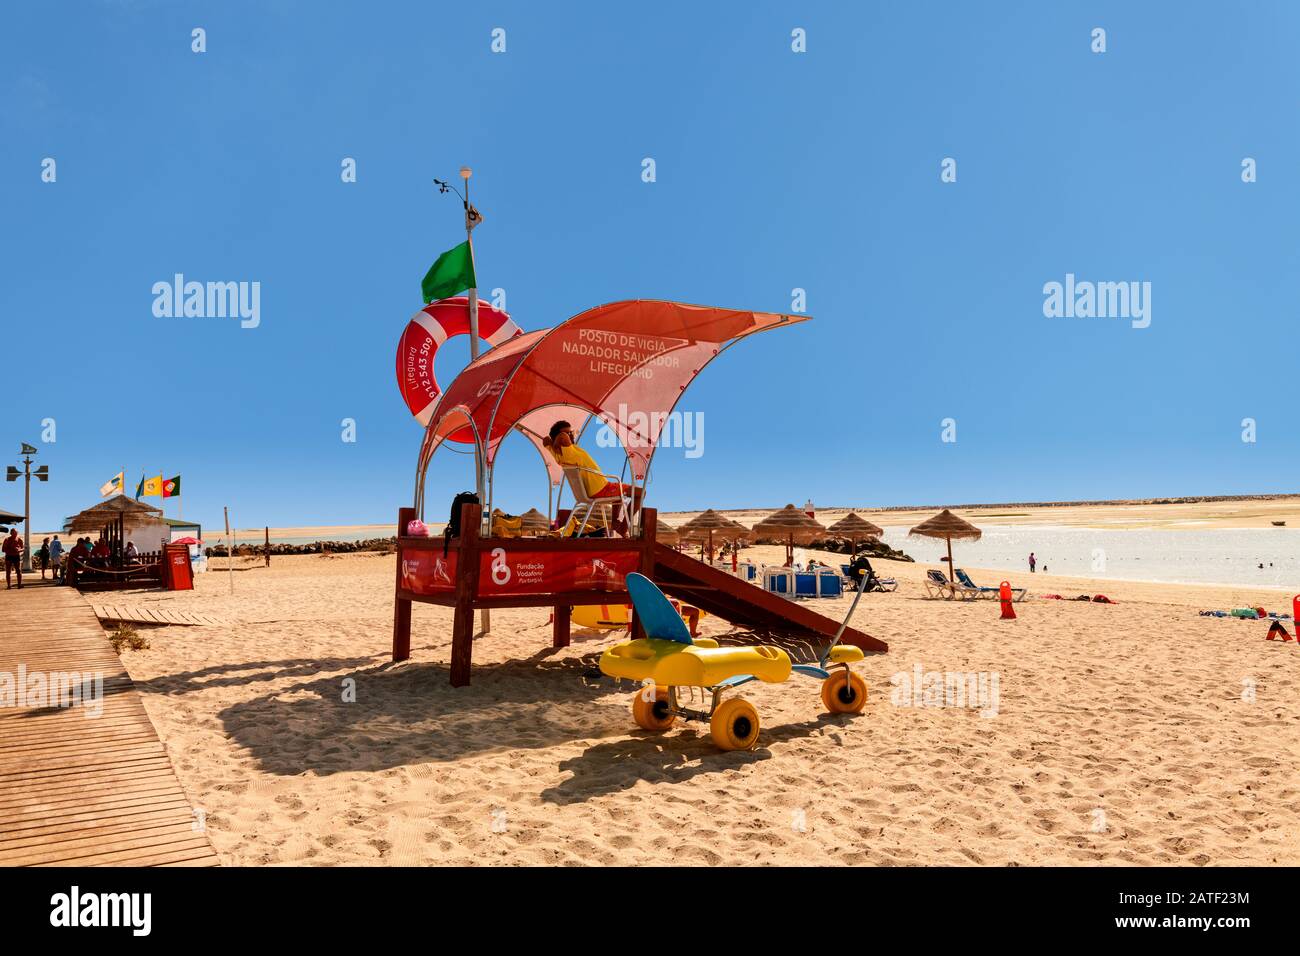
(567, 453)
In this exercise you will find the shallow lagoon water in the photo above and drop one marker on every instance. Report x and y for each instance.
(1228, 556)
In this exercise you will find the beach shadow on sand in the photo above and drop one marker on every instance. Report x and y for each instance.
(384, 716)
(246, 672)
(685, 752)
(404, 714)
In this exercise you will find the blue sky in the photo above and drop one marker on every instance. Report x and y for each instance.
(775, 170)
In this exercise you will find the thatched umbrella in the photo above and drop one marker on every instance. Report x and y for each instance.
(533, 521)
(666, 533)
(792, 525)
(947, 525)
(854, 528)
(736, 532)
(704, 526)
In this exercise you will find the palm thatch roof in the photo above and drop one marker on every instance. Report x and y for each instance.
(533, 521)
(947, 525)
(710, 521)
(854, 526)
(8, 517)
(790, 524)
(97, 516)
(666, 533)
(737, 531)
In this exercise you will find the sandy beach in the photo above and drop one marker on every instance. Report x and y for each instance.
(1132, 733)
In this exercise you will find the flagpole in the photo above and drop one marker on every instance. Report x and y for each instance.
(465, 173)
(485, 616)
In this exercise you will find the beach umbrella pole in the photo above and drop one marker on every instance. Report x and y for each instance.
(230, 551)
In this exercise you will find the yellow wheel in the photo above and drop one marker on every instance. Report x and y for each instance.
(652, 712)
(844, 692)
(734, 725)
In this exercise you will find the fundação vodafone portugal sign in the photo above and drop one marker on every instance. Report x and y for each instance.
(503, 572)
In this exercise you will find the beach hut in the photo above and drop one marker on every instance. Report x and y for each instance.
(533, 521)
(946, 525)
(121, 519)
(854, 528)
(179, 528)
(791, 526)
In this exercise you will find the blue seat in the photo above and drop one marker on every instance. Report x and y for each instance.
(778, 582)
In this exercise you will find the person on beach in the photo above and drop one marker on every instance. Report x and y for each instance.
(13, 551)
(43, 556)
(567, 453)
(56, 559)
(132, 555)
(100, 550)
(1032, 561)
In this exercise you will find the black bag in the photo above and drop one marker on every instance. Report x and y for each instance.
(453, 521)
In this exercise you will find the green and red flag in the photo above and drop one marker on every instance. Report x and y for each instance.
(171, 488)
(452, 273)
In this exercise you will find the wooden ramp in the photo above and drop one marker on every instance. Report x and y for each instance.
(154, 615)
(76, 789)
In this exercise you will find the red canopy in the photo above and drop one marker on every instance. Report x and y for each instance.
(626, 363)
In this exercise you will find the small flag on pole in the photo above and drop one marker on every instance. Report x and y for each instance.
(113, 484)
(452, 273)
(151, 487)
(171, 488)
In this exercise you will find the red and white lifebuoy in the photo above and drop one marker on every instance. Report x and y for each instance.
(427, 330)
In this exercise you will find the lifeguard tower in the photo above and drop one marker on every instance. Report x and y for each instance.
(626, 365)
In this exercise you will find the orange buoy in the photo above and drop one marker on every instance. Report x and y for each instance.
(1004, 592)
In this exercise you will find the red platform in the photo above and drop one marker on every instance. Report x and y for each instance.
(560, 573)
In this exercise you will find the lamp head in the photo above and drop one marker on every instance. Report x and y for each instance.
(466, 173)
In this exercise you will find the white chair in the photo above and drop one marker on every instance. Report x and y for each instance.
(584, 502)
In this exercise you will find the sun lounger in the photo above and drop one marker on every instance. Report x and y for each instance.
(937, 585)
(965, 583)
(868, 581)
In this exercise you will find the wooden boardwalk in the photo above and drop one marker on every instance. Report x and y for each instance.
(152, 615)
(76, 789)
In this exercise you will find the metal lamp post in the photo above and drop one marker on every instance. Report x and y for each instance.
(41, 474)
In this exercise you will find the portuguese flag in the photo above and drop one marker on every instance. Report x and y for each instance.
(171, 488)
(452, 273)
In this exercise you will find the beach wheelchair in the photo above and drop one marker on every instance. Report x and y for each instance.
(669, 659)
